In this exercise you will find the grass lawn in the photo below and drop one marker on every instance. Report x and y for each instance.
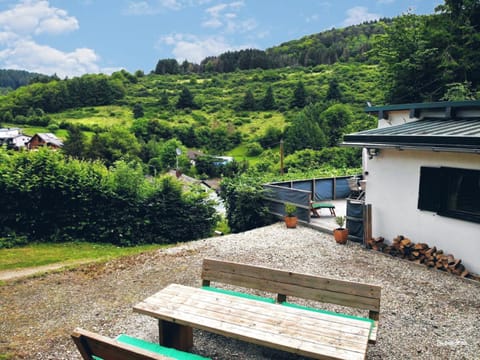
(44, 254)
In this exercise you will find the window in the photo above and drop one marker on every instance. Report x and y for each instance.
(450, 192)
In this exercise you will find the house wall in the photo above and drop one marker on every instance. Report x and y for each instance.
(396, 118)
(35, 142)
(392, 189)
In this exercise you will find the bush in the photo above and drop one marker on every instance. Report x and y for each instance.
(254, 149)
(46, 197)
(12, 240)
(244, 203)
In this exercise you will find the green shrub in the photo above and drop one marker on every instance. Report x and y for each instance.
(46, 197)
(244, 203)
(254, 149)
(12, 240)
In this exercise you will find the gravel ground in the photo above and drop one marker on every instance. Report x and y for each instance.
(425, 313)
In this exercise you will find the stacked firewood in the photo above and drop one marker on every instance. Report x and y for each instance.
(420, 253)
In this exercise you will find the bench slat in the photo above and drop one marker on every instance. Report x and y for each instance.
(322, 206)
(89, 343)
(306, 286)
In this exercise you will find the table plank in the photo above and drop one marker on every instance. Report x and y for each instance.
(308, 333)
(316, 322)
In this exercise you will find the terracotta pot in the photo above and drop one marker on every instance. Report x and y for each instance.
(291, 221)
(340, 235)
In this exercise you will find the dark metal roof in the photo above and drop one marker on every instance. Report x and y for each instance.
(434, 133)
(431, 105)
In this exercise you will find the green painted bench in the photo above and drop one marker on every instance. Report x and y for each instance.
(93, 346)
(286, 283)
(320, 205)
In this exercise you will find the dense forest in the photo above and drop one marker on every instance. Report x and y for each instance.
(13, 79)
(304, 94)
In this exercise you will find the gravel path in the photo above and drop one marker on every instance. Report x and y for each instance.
(425, 313)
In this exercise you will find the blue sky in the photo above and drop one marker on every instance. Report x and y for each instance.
(74, 37)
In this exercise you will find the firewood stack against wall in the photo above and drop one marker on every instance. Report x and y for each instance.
(421, 253)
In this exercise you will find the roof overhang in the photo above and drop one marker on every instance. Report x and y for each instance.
(452, 135)
(441, 109)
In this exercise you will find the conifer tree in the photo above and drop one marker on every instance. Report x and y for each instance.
(299, 96)
(186, 99)
(248, 101)
(74, 145)
(137, 111)
(268, 102)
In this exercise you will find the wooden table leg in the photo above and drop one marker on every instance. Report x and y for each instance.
(176, 336)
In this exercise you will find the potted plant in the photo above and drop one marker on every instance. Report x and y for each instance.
(290, 215)
(340, 234)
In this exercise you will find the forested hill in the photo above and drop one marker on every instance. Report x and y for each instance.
(347, 44)
(13, 79)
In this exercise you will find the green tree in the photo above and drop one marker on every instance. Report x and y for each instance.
(137, 111)
(299, 96)
(168, 155)
(409, 65)
(75, 144)
(164, 99)
(334, 92)
(458, 92)
(186, 99)
(335, 120)
(254, 149)
(167, 66)
(248, 103)
(116, 144)
(304, 133)
(268, 102)
(271, 138)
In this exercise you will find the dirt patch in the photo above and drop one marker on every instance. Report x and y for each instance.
(26, 272)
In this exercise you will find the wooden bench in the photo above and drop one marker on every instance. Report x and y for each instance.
(285, 283)
(269, 321)
(95, 346)
(320, 205)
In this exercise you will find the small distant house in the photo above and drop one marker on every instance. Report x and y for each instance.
(222, 160)
(422, 171)
(193, 155)
(13, 138)
(8, 133)
(18, 142)
(44, 139)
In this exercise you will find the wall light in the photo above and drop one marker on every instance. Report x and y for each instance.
(372, 152)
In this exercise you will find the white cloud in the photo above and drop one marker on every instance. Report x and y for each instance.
(152, 7)
(26, 54)
(225, 16)
(30, 16)
(358, 15)
(19, 26)
(195, 49)
(212, 23)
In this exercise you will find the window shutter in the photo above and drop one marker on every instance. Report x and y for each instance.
(429, 189)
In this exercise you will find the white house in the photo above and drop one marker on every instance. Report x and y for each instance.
(19, 142)
(422, 168)
(8, 133)
(13, 138)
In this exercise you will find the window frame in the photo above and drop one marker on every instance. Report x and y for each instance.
(435, 190)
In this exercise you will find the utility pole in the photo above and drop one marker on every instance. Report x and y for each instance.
(281, 157)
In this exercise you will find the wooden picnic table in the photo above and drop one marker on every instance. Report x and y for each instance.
(318, 335)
